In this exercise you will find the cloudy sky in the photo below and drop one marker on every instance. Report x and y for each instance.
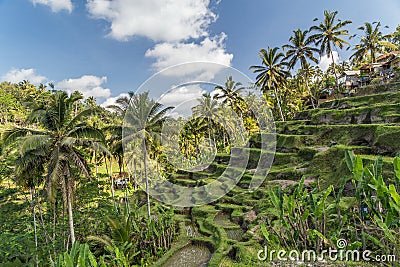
(105, 48)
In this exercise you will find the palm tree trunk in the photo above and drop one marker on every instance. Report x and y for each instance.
(54, 226)
(334, 72)
(120, 164)
(66, 191)
(95, 163)
(146, 178)
(34, 225)
(41, 221)
(309, 92)
(279, 104)
(112, 183)
(70, 216)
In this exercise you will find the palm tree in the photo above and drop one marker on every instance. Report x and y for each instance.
(122, 104)
(329, 34)
(396, 37)
(372, 43)
(57, 145)
(300, 50)
(230, 94)
(114, 142)
(209, 109)
(191, 135)
(272, 74)
(145, 119)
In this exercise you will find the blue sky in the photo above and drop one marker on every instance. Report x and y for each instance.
(105, 48)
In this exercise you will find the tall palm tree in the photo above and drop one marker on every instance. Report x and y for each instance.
(57, 145)
(272, 75)
(300, 49)
(373, 42)
(230, 93)
(114, 142)
(329, 35)
(209, 109)
(146, 118)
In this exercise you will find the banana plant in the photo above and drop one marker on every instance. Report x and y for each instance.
(383, 200)
(79, 256)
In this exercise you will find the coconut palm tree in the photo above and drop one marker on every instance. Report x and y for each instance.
(114, 140)
(209, 109)
(191, 135)
(231, 93)
(271, 73)
(122, 104)
(329, 35)
(57, 145)
(300, 49)
(145, 119)
(372, 43)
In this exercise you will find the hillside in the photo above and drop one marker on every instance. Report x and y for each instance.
(311, 146)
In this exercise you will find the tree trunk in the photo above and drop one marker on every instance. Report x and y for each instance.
(146, 178)
(334, 72)
(95, 162)
(112, 183)
(34, 225)
(66, 191)
(309, 91)
(54, 226)
(70, 216)
(120, 164)
(41, 221)
(279, 104)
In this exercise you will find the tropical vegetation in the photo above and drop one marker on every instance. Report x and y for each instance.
(71, 194)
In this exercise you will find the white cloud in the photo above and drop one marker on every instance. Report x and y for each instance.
(55, 5)
(208, 50)
(88, 85)
(112, 100)
(326, 61)
(18, 75)
(171, 21)
(178, 27)
(183, 98)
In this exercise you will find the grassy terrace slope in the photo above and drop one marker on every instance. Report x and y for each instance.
(312, 146)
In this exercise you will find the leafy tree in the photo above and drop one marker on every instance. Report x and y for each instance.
(329, 35)
(209, 110)
(372, 43)
(271, 73)
(146, 118)
(57, 147)
(396, 37)
(231, 93)
(122, 104)
(300, 49)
